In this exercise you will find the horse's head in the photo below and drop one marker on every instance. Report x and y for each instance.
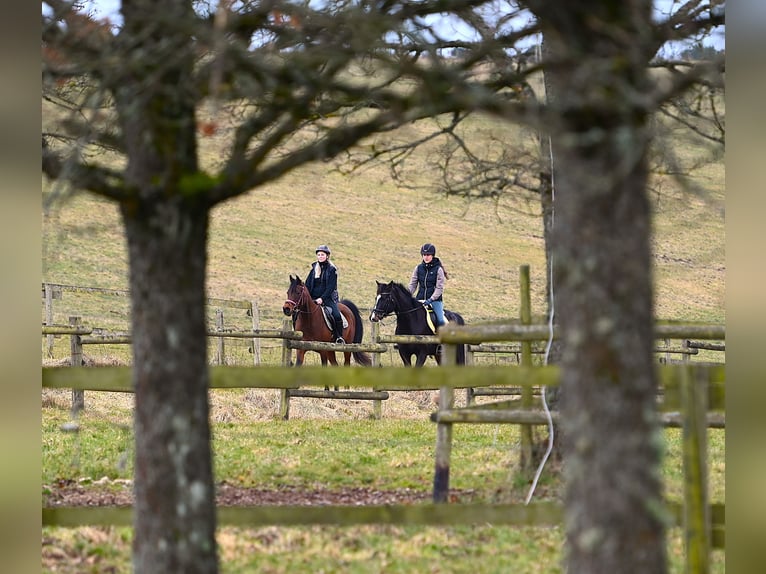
(384, 302)
(296, 295)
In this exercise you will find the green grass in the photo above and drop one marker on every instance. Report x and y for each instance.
(481, 549)
(333, 454)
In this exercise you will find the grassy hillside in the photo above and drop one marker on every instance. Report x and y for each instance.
(375, 230)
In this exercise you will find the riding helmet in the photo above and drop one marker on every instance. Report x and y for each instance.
(323, 248)
(428, 249)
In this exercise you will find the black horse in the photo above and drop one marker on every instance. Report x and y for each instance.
(411, 320)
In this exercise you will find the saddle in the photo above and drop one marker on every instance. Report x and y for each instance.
(431, 318)
(327, 314)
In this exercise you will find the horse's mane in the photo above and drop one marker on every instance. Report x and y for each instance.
(405, 292)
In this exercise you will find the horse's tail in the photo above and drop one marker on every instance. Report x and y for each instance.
(457, 318)
(362, 358)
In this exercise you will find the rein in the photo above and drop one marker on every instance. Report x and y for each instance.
(297, 304)
(396, 311)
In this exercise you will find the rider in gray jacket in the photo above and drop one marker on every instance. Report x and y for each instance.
(428, 280)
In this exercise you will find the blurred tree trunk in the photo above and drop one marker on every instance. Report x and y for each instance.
(603, 282)
(166, 223)
(174, 526)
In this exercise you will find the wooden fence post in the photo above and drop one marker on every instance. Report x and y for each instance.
(377, 404)
(255, 313)
(49, 318)
(526, 361)
(284, 394)
(697, 529)
(75, 348)
(444, 432)
(470, 397)
(220, 355)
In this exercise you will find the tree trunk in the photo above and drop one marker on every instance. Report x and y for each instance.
(604, 286)
(166, 217)
(603, 290)
(603, 277)
(174, 525)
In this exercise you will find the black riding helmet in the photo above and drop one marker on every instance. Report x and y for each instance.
(323, 248)
(428, 249)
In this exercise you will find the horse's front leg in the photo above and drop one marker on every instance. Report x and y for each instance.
(299, 357)
(328, 356)
(421, 360)
(334, 363)
(406, 358)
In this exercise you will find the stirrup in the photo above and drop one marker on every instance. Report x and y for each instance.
(340, 340)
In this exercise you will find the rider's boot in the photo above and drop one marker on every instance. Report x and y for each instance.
(338, 332)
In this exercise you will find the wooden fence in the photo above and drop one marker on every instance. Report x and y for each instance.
(216, 306)
(682, 384)
(689, 394)
(693, 398)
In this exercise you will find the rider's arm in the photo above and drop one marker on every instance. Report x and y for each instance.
(413, 286)
(440, 279)
(331, 284)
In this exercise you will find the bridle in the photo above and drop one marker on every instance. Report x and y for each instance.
(381, 314)
(296, 305)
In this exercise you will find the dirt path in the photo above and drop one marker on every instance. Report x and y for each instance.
(70, 493)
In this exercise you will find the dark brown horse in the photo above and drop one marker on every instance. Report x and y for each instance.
(308, 318)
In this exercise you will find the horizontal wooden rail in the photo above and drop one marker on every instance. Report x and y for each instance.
(66, 330)
(118, 379)
(706, 346)
(497, 392)
(492, 332)
(475, 334)
(715, 420)
(338, 347)
(257, 334)
(538, 417)
(672, 330)
(510, 349)
(535, 514)
(106, 340)
(676, 351)
(58, 288)
(494, 415)
(358, 395)
(424, 339)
